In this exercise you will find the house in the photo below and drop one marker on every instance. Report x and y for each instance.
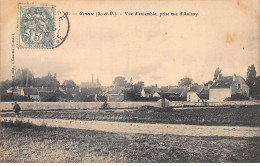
(156, 94)
(115, 95)
(226, 87)
(174, 93)
(11, 90)
(34, 92)
(149, 92)
(164, 89)
(30, 92)
(146, 92)
(14, 90)
(198, 93)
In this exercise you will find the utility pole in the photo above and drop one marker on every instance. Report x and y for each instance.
(27, 80)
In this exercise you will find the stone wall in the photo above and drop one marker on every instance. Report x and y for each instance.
(72, 105)
(96, 105)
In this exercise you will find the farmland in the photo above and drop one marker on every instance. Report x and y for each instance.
(25, 142)
(215, 116)
(29, 143)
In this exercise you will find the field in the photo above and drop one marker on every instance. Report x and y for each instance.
(25, 142)
(226, 116)
(29, 143)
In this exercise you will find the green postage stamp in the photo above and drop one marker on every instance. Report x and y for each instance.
(36, 27)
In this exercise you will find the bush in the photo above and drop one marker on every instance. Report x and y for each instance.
(84, 97)
(17, 125)
(12, 97)
(236, 97)
(101, 98)
(49, 96)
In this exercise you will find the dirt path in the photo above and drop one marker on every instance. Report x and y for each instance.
(144, 128)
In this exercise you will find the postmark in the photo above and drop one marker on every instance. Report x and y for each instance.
(36, 28)
(61, 30)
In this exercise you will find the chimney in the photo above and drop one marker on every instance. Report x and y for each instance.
(209, 85)
(234, 77)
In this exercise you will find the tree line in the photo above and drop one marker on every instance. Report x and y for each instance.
(25, 78)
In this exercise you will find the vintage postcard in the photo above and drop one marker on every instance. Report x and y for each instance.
(131, 81)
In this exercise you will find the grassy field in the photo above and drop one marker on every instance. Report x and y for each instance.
(241, 116)
(28, 143)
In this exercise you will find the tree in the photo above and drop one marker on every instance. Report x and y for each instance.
(251, 78)
(50, 97)
(185, 82)
(130, 84)
(218, 73)
(4, 85)
(140, 84)
(133, 93)
(4, 96)
(120, 81)
(257, 87)
(251, 75)
(50, 81)
(208, 83)
(23, 78)
(69, 84)
(37, 82)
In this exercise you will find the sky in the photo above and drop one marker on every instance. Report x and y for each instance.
(156, 50)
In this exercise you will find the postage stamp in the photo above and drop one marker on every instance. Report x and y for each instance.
(36, 26)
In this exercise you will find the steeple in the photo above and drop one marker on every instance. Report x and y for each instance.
(97, 80)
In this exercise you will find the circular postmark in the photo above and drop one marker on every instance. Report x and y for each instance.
(61, 29)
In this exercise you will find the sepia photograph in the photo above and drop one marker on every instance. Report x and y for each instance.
(131, 81)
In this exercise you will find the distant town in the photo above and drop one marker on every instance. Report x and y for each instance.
(26, 87)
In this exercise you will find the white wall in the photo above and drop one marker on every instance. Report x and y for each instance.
(156, 94)
(219, 94)
(192, 96)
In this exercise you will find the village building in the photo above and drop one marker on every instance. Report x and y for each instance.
(226, 87)
(174, 93)
(116, 94)
(150, 92)
(198, 93)
(31, 93)
(90, 84)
